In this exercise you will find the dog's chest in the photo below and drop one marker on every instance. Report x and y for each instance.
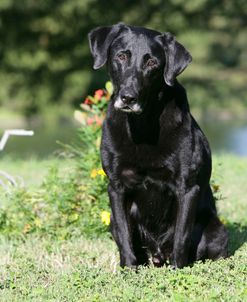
(145, 166)
(152, 195)
(135, 178)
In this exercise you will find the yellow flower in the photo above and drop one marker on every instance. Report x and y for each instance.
(93, 173)
(105, 217)
(101, 172)
(96, 172)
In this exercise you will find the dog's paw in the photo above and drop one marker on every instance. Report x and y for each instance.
(129, 262)
(176, 264)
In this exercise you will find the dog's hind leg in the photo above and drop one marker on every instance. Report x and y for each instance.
(214, 241)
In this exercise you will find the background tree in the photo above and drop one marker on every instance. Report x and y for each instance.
(44, 55)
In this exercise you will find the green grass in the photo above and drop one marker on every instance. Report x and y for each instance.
(31, 172)
(40, 268)
(85, 270)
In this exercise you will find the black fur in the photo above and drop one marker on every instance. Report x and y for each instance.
(156, 157)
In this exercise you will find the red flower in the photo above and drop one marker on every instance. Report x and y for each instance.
(98, 120)
(87, 101)
(90, 120)
(98, 94)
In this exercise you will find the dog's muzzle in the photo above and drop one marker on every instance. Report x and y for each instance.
(127, 105)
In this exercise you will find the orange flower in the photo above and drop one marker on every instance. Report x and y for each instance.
(90, 120)
(98, 120)
(93, 173)
(88, 101)
(98, 94)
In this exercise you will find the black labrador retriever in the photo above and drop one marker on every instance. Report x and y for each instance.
(156, 157)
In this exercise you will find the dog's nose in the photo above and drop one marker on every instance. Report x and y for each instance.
(128, 99)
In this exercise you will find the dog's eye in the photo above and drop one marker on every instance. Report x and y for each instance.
(151, 62)
(122, 57)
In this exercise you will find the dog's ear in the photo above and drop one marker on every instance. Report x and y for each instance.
(177, 57)
(100, 39)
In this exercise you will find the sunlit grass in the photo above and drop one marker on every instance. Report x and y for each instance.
(31, 172)
(41, 268)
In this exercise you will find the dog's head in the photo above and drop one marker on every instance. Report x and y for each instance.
(139, 62)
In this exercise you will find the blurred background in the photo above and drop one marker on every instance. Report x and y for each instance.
(46, 68)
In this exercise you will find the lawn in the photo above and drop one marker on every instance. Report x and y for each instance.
(32, 172)
(85, 268)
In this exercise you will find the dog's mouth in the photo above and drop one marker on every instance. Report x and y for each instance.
(133, 108)
(126, 109)
(130, 109)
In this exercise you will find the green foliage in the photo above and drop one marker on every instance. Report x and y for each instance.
(61, 208)
(65, 205)
(39, 269)
(45, 56)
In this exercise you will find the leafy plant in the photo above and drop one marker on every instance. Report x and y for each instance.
(94, 107)
(72, 204)
(63, 207)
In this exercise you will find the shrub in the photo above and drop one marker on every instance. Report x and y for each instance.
(64, 206)
(67, 205)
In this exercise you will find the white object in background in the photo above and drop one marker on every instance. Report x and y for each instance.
(18, 132)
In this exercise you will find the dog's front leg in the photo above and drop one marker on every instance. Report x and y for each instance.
(184, 226)
(121, 228)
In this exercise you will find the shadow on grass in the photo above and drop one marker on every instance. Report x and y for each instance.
(237, 236)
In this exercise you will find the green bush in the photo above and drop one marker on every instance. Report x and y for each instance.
(64, 206)
(61, 207)
(67, 205)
